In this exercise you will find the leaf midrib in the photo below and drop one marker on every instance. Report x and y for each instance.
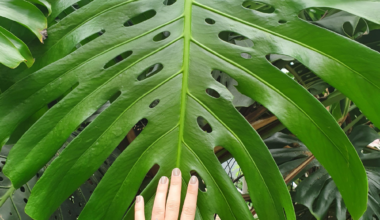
(184, 93)
(185, 66)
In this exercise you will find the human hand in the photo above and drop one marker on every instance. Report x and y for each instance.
(169, 209)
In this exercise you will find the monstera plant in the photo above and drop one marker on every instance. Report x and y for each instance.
(155, 62)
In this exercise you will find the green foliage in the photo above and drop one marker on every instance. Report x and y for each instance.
(318, 192)
(13, 50)
(174, 48)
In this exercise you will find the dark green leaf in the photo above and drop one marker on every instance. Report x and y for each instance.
(172, 137)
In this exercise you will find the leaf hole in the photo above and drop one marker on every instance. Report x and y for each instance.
(118, 58)
(88, 39)
(210, 21)
(204, 125)
(246, 56)
(341, 22)
(3, 162)
(56, 101)
(72, 9)
(150, 175)
(236, 39)
(216, 217)
(150, 71)
(212, 93)
(25, 200)
(133, 133)
(222, 154)
(298, 72)
(140, 125)
(239, 100)
(154, 103)
(140, 18)
(115, 96)
(1, 178)
(22, 189)
(233, 170)
(52, 103)
(106, 165)
(258, 6)
(161, 36)
(169, 2)
(90, 119)
(282, 21)
(202, 184)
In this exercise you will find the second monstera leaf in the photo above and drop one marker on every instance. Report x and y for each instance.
(155, 59)
(317, 191)
(13, 50)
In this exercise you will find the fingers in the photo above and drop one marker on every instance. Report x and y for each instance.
(174, 198)
(160, 200)
(139, 208)
(189, 207)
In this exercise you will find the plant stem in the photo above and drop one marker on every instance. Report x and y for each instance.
(298, 169)
(9, 193)
(353, 123)
(292, 71)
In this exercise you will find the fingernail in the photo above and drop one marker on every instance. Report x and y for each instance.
(138, 199)
(176, 172)
(163, 180)
(193, 180)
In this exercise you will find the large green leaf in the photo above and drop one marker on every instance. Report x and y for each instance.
(13, 201)
(13, 50)
(170, 49)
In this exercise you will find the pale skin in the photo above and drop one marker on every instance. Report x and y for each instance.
(167, 207)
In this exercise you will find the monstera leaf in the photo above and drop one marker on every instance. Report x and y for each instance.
(318, 192)
(13, 201)
(154, 60)
(13, 50)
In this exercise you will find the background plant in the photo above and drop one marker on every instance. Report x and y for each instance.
(15, 17)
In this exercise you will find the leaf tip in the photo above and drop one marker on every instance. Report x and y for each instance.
(44, 35)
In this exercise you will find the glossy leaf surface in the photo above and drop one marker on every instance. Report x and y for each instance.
(13, 50)
(176, 70)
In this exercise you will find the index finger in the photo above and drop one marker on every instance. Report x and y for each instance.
(139, 208)
(190, 205)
